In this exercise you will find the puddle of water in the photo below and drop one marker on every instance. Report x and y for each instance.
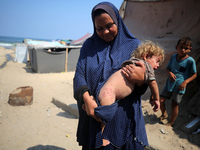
(9, 58)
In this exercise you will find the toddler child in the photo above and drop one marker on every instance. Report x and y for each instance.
(118, 86)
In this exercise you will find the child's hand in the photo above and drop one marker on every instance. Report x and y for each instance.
(182, 86)
(172, 76)
(155, 104)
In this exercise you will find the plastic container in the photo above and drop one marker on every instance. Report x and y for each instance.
(47, 59)
(73, 56)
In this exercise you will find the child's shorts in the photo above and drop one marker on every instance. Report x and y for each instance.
(174, 96)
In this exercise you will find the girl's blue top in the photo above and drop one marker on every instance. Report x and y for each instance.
(97, 61)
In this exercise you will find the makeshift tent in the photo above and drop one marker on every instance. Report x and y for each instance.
(162, 19)
(81, 40)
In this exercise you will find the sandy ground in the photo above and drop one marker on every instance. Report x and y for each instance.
(43, 125)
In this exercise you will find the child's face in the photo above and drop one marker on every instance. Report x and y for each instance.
(154, 61)
(183, 49)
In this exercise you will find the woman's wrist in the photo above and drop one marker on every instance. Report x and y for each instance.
(86, 96)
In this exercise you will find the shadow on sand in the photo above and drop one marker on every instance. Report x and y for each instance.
(45, 147)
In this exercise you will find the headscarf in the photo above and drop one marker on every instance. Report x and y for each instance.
(97, 61)
(108, 9)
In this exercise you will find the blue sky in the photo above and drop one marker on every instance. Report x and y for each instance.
(48, 19)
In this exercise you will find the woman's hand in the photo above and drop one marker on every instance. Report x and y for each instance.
(135, 73)
(89, 105)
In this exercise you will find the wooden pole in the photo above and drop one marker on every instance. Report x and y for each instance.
(66, 59)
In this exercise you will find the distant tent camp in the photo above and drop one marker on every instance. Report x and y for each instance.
(81, 40)
(66, 42)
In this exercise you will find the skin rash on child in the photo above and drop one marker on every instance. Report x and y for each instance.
(109, 92)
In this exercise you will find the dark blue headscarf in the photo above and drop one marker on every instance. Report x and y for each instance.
(98, 60)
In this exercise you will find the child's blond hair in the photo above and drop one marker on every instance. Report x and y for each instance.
(150, 49)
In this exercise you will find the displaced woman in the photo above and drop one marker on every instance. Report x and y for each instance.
(101, 55)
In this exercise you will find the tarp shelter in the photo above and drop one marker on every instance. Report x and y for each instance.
(162, 19)
(81, 40)
(67, 42)
(31, 42)
(21, 53)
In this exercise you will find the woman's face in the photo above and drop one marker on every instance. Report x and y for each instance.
(105, 27)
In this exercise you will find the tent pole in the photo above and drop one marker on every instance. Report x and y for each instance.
(66, 59)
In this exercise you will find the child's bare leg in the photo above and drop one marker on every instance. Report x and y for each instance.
(107, 95)
(117, 87)
(163, 109)
(174, 113)
(105, 142)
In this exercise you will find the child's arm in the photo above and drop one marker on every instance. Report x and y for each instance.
(155, 93)
(183, 85)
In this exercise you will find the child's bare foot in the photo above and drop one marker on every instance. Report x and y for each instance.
(105, 142)
(169, 124)
(163, 117)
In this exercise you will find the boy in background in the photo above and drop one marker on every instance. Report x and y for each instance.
(181, 70)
